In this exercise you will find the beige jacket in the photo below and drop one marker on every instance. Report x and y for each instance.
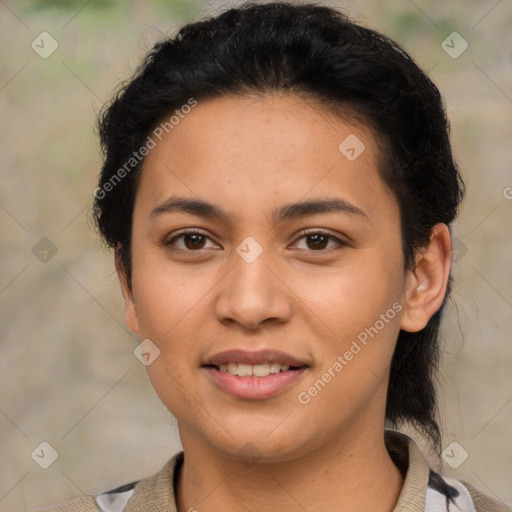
(423, 490)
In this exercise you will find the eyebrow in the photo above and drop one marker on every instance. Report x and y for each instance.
(289, 211)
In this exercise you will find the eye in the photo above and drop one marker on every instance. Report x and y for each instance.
(192, 240)
(318, 240)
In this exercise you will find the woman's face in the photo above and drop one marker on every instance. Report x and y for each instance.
(277, 279)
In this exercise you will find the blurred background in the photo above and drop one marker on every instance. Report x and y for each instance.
(68, 375)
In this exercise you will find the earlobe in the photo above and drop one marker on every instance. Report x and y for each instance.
(427, 282)
(130, 312)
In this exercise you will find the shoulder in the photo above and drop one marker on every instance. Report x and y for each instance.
(425, 490)
(151, 494)
(484, 502)
(447, 492)
(82, 504)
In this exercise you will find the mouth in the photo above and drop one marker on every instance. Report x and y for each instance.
(254, 375)
(254, 370)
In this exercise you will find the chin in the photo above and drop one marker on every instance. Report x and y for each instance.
(261, 445)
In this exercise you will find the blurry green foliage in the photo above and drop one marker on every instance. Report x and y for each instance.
(65, 5)
(178, 8)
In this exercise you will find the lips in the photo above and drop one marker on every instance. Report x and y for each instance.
(254, 358)
(254, 375)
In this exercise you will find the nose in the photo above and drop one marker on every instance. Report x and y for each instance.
(252, 294)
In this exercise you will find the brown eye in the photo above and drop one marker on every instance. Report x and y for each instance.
(194, 241)
(188, 241)
(318, 241)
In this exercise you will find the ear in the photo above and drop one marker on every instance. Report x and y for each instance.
(130, 312)
(426, 284)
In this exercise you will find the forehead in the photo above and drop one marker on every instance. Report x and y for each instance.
(252, 153)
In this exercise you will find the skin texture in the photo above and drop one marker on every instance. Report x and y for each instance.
(195, 298)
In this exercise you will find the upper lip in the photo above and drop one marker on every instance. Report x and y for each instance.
(256, 357)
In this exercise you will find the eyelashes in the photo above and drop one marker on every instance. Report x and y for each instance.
(182, 235)
(322, 235)
(193, 241)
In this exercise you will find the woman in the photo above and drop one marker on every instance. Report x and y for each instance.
(278, 187)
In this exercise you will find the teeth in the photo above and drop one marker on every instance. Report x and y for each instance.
(275, 367)
(258, 370)
(261, 370)
(244, 370)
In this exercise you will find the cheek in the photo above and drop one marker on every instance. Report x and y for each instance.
(168, 300)
(170, 312)
(352, 375)
(362, 308)
(353, 298)
(170, 309)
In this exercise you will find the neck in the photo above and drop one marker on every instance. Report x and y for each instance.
(355, 474)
